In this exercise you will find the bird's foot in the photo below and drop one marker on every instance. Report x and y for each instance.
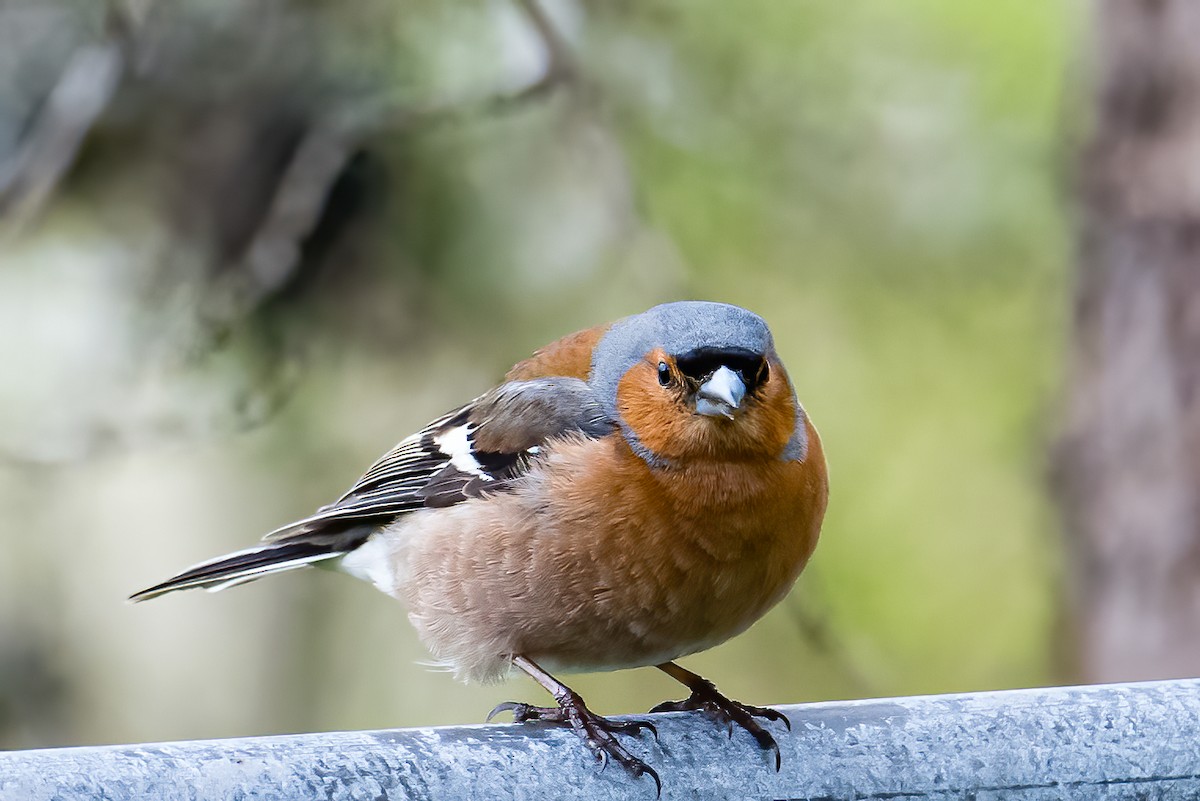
(596, 731)
(726, 712)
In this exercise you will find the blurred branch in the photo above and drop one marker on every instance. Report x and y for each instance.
(293, 212)
(561, 67)
(561, 70)
(83, 91)
(85, 88)
(274, 253)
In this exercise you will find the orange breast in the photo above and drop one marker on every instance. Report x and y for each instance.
(665, 563)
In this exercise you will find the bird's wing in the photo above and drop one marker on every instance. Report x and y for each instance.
(476, 449)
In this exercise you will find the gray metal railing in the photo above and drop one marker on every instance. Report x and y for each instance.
(1103, 742)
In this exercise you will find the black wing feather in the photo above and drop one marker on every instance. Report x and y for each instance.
(503, 432)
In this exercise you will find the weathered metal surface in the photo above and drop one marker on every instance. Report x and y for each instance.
(1105, 742)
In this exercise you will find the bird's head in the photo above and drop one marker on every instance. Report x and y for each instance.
(692, 380)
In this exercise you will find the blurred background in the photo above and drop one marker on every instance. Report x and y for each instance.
(247, 246)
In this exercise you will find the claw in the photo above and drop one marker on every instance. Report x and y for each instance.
(635, 727)
(596, 732)
(653, 774)
(726, 712)
(504, 706)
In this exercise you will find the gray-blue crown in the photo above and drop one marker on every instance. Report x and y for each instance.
(676, 328)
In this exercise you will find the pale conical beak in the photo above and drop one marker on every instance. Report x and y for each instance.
(721, 394)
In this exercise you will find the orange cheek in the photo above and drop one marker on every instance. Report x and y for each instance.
(775, 416)
(651, 410)
(655, 415)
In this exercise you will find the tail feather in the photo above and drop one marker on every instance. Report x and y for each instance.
(242, 566)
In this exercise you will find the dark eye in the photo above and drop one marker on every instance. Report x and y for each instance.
(664, 374)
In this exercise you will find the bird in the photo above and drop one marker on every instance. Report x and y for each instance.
(629, 495)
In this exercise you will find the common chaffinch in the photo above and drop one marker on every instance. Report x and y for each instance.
(631, 494)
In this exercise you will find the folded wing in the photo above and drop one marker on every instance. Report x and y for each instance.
(483, 447)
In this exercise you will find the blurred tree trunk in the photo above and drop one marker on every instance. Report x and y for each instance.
(1127, 466)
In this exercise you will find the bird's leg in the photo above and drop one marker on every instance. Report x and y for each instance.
(721, 710)
(595, 731)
